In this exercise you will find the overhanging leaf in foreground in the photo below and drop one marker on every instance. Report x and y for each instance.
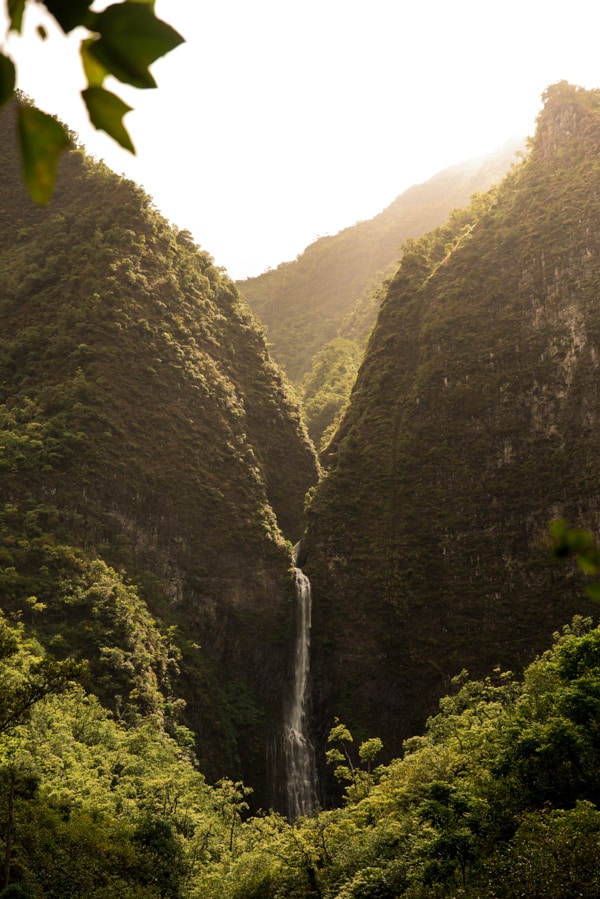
(131, 39)
(106, 113)
(68, 13)
(7, 78)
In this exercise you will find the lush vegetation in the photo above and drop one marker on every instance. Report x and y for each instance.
(497, 799)
(472, 424)
(97, 804)
(327, 387)
(145, 435)
(152, 464)
(332, 290)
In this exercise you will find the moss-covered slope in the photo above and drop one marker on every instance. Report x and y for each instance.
(138, 400)
(472, 423)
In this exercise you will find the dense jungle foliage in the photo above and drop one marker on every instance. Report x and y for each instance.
(497, 799)
(320, 308)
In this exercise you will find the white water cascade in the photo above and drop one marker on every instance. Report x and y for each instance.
(299, 752)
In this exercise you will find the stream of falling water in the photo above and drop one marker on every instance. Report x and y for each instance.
(299, 752)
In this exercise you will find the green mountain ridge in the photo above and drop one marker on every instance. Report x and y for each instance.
(471, 425)
(142, 415)
(330, 292)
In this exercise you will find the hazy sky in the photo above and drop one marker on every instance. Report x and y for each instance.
(280, 121)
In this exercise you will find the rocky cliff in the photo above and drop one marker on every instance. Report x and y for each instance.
(471, 425)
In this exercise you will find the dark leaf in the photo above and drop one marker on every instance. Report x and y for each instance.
(106, 112)
(7, 78)
(95, 72)
(16, 9)
(69, 13)
(131, 39)
(43, 139)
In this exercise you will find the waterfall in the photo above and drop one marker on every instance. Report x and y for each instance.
(299, 752)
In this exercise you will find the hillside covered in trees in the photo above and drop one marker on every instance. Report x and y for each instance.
(497, 800)
(152, 465)
(471, 425)
(320, 308)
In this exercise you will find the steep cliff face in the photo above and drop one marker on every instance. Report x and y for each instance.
(473, 422)
(138, 399)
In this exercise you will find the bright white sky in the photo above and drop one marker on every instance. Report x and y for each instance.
(280, 121)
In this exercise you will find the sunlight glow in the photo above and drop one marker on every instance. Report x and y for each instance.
(277, 122)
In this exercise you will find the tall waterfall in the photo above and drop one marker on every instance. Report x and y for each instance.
(299, 752)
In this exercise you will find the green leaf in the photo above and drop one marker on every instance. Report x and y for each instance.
(7, 78)
(131, 39)
(95, 72)
(566, 541)
(106, 112)
(16, 8)
(43, 139)
(69, 13)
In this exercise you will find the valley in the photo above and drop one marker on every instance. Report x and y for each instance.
(407, 703)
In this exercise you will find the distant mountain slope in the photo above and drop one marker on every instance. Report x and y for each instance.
(138, 401)
(303, 303)
(473, 422)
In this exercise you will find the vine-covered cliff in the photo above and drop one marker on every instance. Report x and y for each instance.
(472, 424)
